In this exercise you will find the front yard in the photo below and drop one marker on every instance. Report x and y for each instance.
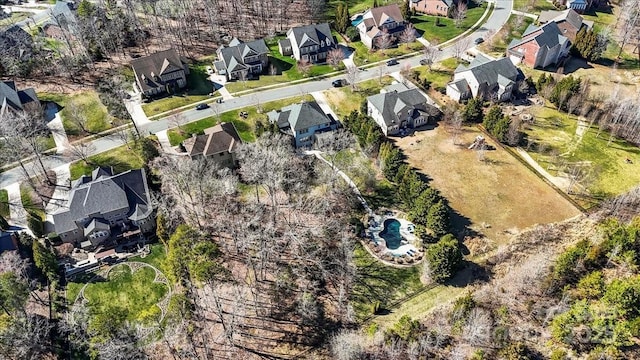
(365, 56)
(563, 145)
(533, 6)
(198, 88)
(121, 158)
(285, 69)
(4, 203)
(343, 101)
(446, 29)
(87, 110)
(245, 127)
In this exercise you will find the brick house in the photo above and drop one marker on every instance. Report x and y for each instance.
(540, 46)
(569, 22)
(432, 7)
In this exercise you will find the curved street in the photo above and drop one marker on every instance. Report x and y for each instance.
(496, 20)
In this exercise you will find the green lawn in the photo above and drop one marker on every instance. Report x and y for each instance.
(447, 29)
(365, 56)
(437, 77)
(286, 71)
(198, 88)
(533, 6)
(513, 29)
(132, 297)
(343, 101)
(155, 257)
(4, 203)
(378, 282)
(14, 18)
(355, 6)
(90, 108)
(121, 158)
(30, 201)
(245, 127)
(610, 174)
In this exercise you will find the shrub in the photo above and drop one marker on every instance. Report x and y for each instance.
(444, 258)
(34, 223)
(353, 34)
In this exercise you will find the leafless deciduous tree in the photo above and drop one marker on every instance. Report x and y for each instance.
(459, 13)
(352, 77)
(82, 151)
(408, 35)
(304, 66)
(459, 47)
(430, 54)
(334, 57)
(384, 40)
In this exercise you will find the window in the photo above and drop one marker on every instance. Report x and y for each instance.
(303, 131)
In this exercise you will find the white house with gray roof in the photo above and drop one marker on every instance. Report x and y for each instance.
(397, 108)
(303, 121)
(310, 43)
(485, 78)
(239, 59)
(105, 206)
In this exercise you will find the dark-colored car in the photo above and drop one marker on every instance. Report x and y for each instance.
(392, 62)
(202, 106)
(339, 83)
(478, 41)
(424, 62)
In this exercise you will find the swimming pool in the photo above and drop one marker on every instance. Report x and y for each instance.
(391, 233)
(357, 20)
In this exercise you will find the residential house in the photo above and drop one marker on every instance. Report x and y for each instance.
(398, 108)
(569, 22)
(378, 21)
(484, 78)
(16, 45)
(218, 143)
(578, 5)
(303, 121)
(540, 46)
(8, 241)
(62, 24)
(161, 72)
(240, 59)
(16, 100)
(432, 7)
(310, 43)
(106, 206)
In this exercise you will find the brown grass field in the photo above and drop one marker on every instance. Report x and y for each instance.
(495, 197)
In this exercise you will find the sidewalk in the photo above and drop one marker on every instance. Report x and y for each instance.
(17, 213)
(135, 110)
(319, 97)
(163, 138)
(522, 13)
(59, 134)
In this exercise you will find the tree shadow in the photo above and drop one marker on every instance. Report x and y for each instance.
(280, 65)
(470, 273)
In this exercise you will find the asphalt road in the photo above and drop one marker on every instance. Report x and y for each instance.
(497, 19)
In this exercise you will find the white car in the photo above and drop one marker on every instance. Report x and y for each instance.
(209, 70)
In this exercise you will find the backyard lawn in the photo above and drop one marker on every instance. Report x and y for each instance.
(285, 68)
(88, 107)
(155, 258)
(123, 296)
(446, 30)
(343, 101)
(491, 197)
(4, 203)
(376, 282)
(245, 127)
(121, 158)
(198, 88)
(602, 157)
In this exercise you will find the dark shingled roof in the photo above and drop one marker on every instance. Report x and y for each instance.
(489, 71)
(90, 199)
(61, 15)
(234, 55)
(310, 34)
(392, 103)
(16, 99)
(547, 35)
(300, 116)
(216, 139)
(147, 67)
(16, 42)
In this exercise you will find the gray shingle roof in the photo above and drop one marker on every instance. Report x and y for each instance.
(234, 55)
(16, 42)
(310, 34)
(61, 15)
(547, 35)
(96, 224)
(488, 72)
(305, 115)
(91, 199)
(391, 104)
(14, 98)
(461, 85)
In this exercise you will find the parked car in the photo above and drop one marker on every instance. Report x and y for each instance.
(424, 62)
(392, 62)
(202, 106)
(478, 41)
(339, 83)
(209, 70)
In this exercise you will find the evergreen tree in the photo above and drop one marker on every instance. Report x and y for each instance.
(589, 44)
(438, 218)
(406, 10)
(342, 17)
(444, 258)
(473, 111)
(45, 260)
(375, 4)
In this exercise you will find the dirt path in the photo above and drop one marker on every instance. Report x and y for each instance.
(561, 182)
